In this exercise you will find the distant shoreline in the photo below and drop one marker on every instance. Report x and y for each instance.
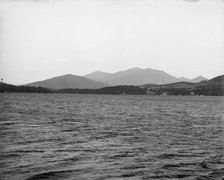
(114, 94)
(206, 88)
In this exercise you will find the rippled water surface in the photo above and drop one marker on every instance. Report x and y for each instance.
(70, 136)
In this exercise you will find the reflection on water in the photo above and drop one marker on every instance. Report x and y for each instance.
(58, 136)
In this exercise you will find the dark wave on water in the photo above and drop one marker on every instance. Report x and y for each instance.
(59, 136)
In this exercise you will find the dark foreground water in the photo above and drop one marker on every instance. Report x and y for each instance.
(58, 136)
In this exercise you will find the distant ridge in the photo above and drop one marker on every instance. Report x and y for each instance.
(138, 76)
(98, 79)
(68, 81)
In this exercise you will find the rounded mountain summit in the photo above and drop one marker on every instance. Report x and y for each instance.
(68, 81)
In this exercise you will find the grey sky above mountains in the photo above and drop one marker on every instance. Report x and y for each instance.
(46, 38)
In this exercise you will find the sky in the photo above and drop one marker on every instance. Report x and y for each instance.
(40, 39)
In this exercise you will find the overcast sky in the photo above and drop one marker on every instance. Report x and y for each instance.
(40, 39)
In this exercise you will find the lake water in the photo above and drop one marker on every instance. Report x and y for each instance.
(71, 136)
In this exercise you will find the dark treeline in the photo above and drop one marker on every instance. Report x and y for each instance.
(209, 90)
(107, 90)
(11, 88)
(199, 90)
(173, 91)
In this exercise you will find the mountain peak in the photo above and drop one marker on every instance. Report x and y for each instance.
(68, 75)
(135, 68)
(98, 76)
(198, 79)
(68, 81)
(97, 72)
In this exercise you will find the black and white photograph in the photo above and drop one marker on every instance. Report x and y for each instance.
(111, 89)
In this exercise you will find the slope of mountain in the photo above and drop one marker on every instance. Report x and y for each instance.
(181, 79)
(217, 81)
(99, 76)
(126, 73)
(68, 81)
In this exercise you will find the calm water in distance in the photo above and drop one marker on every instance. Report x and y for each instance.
(71, 136)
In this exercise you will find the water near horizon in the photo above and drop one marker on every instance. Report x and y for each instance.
(71, 136)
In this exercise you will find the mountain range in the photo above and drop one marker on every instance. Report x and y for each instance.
(138, 76)
(99, 79)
